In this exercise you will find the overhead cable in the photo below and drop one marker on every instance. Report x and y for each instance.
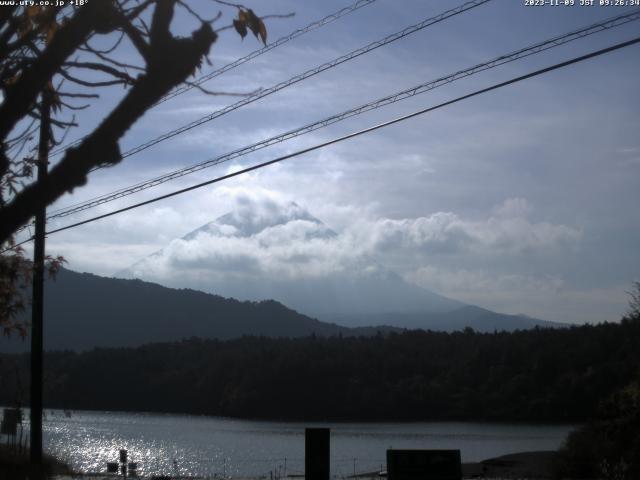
(308, 74)
(340, 139)
(355, 134)
(281, 41)
(303, 76)
(256, 53)
(387, 100)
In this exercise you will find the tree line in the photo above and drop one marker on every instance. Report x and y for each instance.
(540, 375)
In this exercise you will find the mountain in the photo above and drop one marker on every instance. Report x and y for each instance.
(83, 311)
(282, 252)
(288, 255)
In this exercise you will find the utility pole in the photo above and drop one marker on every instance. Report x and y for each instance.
(38, 286)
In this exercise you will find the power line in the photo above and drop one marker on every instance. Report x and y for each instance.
(404, 94)
(345, 137)
(358, 133)
(256, 53)
(303, 76)
(266, 48)
(16, 245)
(308, 74)
(265, 92)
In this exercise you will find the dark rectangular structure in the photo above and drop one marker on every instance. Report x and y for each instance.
(424, 465)
(316, 454)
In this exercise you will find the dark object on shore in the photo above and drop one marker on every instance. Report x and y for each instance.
(424, 465)
(538, 465)
(317, 453)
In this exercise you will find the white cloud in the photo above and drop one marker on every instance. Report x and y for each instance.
(509, 232)
(268, 240)
(296, 249)
(282, 246)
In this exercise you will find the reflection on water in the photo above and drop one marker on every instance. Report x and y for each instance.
(205, 446)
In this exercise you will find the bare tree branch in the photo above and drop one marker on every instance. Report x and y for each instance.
(171, 60)
(102, 68)
(21, 95)
(87, 83)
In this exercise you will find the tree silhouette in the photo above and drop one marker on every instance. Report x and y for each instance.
(50, 53)
(634, 302)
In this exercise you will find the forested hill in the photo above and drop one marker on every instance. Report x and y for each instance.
(535, 375)
(83, 311)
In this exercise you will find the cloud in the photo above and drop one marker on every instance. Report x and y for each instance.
(507, 232)
(268, 238)
(513, 208)
(296, 249)
(482, 283)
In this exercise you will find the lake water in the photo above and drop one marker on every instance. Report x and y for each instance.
(205, 446)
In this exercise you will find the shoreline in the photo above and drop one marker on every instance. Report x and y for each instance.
(533, 465)
(313, 422)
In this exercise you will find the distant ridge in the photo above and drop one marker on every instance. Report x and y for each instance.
(83, 311)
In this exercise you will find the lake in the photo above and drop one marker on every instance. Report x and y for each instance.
(206, 446)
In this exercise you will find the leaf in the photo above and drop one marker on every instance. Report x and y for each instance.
(56, 104)
(253, 22)
(24, 27)
(12, 81)
(33, 11)
(262, 30)
(51, 31)
(241, 28)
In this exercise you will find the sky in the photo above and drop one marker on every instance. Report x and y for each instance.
(521, 200)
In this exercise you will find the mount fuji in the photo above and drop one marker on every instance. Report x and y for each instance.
(282, 252)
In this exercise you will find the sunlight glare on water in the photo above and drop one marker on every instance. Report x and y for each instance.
(164, 444)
